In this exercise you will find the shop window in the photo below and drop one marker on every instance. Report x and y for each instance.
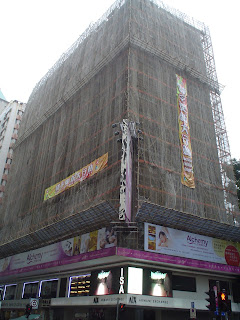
(30, 290)
(9, 293)
(182, 283)
(48, 289)
(79, 286)
(222, 284)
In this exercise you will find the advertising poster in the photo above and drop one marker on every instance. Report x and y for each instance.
(179, 243)
(129, 176)
(77, 177)
(187, 177)
(157, 283)
(60, 253)
(108, 281)
(132, 280)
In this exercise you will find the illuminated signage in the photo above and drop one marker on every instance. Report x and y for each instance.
(103, 275)
(135, 280)
(104, 283)
(158, 275)
(121, 282)
(108, 281)
(79, 285)
(157, 283)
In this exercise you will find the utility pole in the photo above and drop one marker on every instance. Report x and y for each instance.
(117, 313)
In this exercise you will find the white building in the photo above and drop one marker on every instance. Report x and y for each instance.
(3, 102)
(10, 118)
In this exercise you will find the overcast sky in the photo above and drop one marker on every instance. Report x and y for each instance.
(35, 33)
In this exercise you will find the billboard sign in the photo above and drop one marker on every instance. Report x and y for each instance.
(77, 177)
(92, 245)
(179, 243)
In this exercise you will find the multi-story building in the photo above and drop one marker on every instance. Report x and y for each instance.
(10, 118)
(121, 189)
(3, 101)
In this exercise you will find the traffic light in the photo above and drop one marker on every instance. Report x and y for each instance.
(224, 303)
(121, 307)
(28, 310)
(211, 299)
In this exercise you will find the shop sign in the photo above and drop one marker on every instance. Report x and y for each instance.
(216, 254)
(45, 302)
(151, 301)
(83, 247)
(95, 300)
(121, 282)
(14, 304)
(132, 300)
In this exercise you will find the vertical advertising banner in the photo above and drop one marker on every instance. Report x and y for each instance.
(129, 176)
(187, 177)
(126, 174)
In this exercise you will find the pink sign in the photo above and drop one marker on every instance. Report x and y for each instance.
(143, 255)
(92, 245)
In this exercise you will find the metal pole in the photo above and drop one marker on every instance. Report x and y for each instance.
(117, 309)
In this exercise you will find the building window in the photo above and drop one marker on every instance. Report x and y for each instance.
(79, 285)
(48, 289)
(30, 290)
(9, 292)
(182, 283)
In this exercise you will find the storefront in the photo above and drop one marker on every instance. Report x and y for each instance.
(88, 277)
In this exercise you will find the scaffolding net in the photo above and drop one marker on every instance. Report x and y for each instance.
(123, 67)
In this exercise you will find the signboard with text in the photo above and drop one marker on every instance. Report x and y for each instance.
(91, 245)
(173, 242)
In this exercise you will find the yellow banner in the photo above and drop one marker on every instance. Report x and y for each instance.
(187, 177)
(79, 176)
